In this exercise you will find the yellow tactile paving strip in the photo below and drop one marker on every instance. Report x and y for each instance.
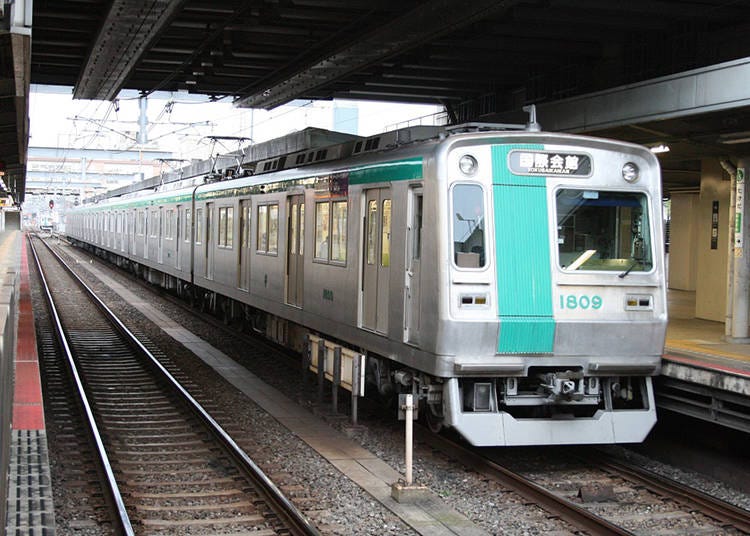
(702, 340)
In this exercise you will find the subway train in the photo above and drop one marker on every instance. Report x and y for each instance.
(512, 279)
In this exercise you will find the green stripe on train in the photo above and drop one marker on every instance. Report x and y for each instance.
(524, 280)
(397, 170)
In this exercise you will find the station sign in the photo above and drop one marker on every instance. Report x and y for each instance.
(549, 163)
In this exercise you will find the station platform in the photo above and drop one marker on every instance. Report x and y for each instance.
(26, 506)
(703, 376)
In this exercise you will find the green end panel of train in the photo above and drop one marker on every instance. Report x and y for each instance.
(527, 323)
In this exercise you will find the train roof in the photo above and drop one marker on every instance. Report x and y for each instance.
(311, 148)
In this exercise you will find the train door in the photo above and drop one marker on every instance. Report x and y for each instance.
(243, 278)
(295, 259)
(146, 231)
(209, 249)
(376, 259)
(160, 236)
(178, 238)
(122, 224)
(131, 232)
(412, 287)
(116, 229)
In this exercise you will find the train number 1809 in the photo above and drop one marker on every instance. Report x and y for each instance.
(571, 301)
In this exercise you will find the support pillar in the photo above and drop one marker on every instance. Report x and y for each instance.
(142, 136)
(740, 332)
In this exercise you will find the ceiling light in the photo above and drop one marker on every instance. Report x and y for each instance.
(735, 137)
(732, 141)
(661, 148)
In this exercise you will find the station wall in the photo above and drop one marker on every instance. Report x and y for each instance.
(711, 281)
(696, 263)
(682, 233)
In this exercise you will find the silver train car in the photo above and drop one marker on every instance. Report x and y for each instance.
(513, 280)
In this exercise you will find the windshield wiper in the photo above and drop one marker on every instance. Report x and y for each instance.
(630, 268)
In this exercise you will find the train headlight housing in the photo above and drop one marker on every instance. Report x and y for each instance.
(482, 397)
(630, 172)
(468, 165)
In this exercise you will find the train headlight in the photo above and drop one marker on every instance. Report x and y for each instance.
(467, 164)
(482, 397)
(630, 172)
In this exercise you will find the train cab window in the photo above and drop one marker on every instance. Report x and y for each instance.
(330, 231)
(603, 231)
(468, 226)
(268, 229)
(226, 225)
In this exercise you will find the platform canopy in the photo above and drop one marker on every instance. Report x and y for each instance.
(480, 59)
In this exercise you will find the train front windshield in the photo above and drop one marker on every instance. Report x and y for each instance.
(601, 230)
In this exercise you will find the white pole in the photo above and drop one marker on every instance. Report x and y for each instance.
(409, 432)
(741, 286)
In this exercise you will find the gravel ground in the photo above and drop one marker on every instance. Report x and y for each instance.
(335, 504)
(342, 505)
(689, 478)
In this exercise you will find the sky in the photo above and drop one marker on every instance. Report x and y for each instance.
(180, 122)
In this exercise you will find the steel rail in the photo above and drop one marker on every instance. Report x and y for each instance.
(297, 522)
(123, 520)
(706, 504)
(554, 504)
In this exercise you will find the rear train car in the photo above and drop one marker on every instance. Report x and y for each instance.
(513, 281)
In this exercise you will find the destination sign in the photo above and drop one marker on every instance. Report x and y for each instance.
(549, 163)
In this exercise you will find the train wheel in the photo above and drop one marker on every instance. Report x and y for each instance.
(430, 417)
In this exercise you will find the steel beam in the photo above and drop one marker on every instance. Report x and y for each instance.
(710, 89)
(424, 23)
(130, 27)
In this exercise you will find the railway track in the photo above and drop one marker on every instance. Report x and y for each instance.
(630, 500)
(616, 516)
(169, 467)
(726, 515)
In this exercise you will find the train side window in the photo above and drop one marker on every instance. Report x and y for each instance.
(302, 229)
(226, 225)
(385, 241)
(338, 231)
(155, 223)
(188, 224)
(416, 252)
(268, 229)
(245, 225)
(322, 222)
(168, 224)
(262, 240)
(372, 220)
(273, 228)
(198, 225)
(468, 226)
(330, 231)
